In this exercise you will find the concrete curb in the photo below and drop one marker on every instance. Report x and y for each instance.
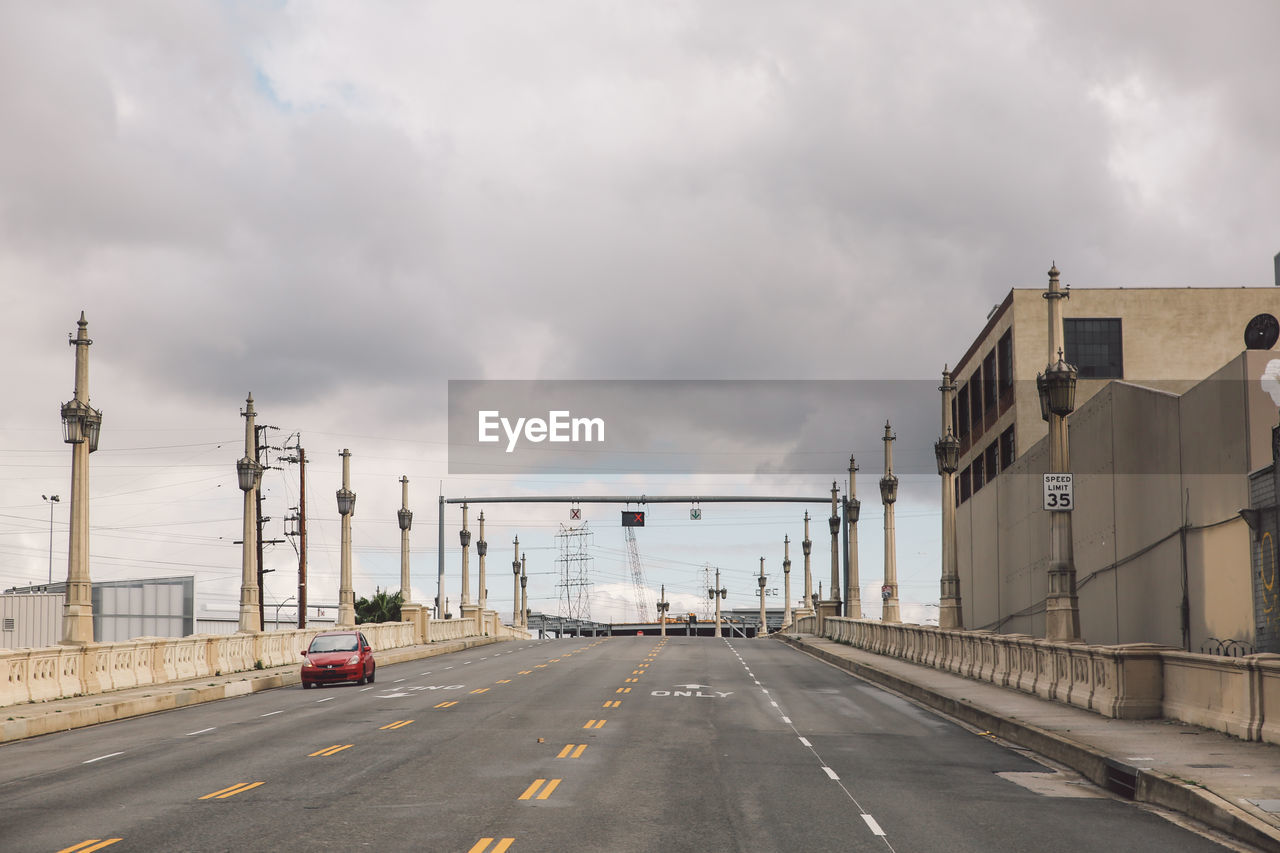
(1151, 786)
(43, 718)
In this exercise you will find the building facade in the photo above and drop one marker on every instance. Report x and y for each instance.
(1171, 418)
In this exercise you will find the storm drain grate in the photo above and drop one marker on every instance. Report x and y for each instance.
(1121, 779)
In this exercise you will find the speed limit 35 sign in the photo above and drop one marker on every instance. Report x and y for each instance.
(1058, 496)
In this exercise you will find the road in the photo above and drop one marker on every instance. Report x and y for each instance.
(594, 744)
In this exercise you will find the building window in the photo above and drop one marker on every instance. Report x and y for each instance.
(989, 382)
(962, 422)
(1095, 347)
(990, 460)
(1007, 452)
(1004, 362)
(975, 401)
(965, 485)
(978, 479)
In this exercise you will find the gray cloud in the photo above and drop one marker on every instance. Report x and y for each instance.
(341, 207)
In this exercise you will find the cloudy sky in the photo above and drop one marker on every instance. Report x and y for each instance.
(339, 207)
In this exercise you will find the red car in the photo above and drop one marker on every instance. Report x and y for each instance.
(338, 656)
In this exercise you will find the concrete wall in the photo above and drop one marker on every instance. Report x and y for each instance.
(1146, 464)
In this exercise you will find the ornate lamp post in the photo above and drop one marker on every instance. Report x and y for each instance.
(764, 628)
(409, 612)
(807, 547)
(405, 518)
(786, 582)
(852, 509)
(524, 592)
(947, 451)
(464, 538)
(81, 425)
(1057, 389)
(482, 549)
(515, 589)
(346, 509)
(889, 495)
(249, 476)
(663, 607)
(834, 524)
(717, 595)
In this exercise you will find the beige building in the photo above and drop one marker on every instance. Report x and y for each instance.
(1171, 417)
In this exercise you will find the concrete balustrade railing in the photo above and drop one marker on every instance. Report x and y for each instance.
(37, 675)
(1133, 681)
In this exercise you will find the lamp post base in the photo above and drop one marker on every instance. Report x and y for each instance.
(891, 612)
(950, 616)
(415, 615)
(1062, 620)
(77, 625)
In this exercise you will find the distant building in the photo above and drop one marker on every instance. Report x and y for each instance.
(1171, 417)
(122, 610)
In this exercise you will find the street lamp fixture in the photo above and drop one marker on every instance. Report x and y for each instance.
(1057, 388)
(81, 423)
(405, 517)
(346, 501)
(248, 473)
(853, 507)
(889, 489)
(947, 451)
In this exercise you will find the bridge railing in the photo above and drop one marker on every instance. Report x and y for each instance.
(1130, 681)
(37, 675)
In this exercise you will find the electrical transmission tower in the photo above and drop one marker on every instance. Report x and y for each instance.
(644, 606)
(575, 572)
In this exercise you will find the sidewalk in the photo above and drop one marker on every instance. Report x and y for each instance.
(58, 715)
(1229, 784)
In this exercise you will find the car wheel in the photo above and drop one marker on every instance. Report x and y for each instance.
(372, 673)
(306, 685)
(362, 679)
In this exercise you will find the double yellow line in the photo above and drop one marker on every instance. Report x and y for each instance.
(238, 788)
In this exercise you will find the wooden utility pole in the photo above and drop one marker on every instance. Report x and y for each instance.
(302, 537)
(257, 455)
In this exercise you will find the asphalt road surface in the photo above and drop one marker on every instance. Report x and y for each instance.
(594, 744)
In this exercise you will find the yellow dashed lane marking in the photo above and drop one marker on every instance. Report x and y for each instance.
(238, 788)
(90, 845)
(482, 846)
(446, 704)
(330, 750)
(398, 724)
(532, 790)
(594, 724)
(572, 750)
